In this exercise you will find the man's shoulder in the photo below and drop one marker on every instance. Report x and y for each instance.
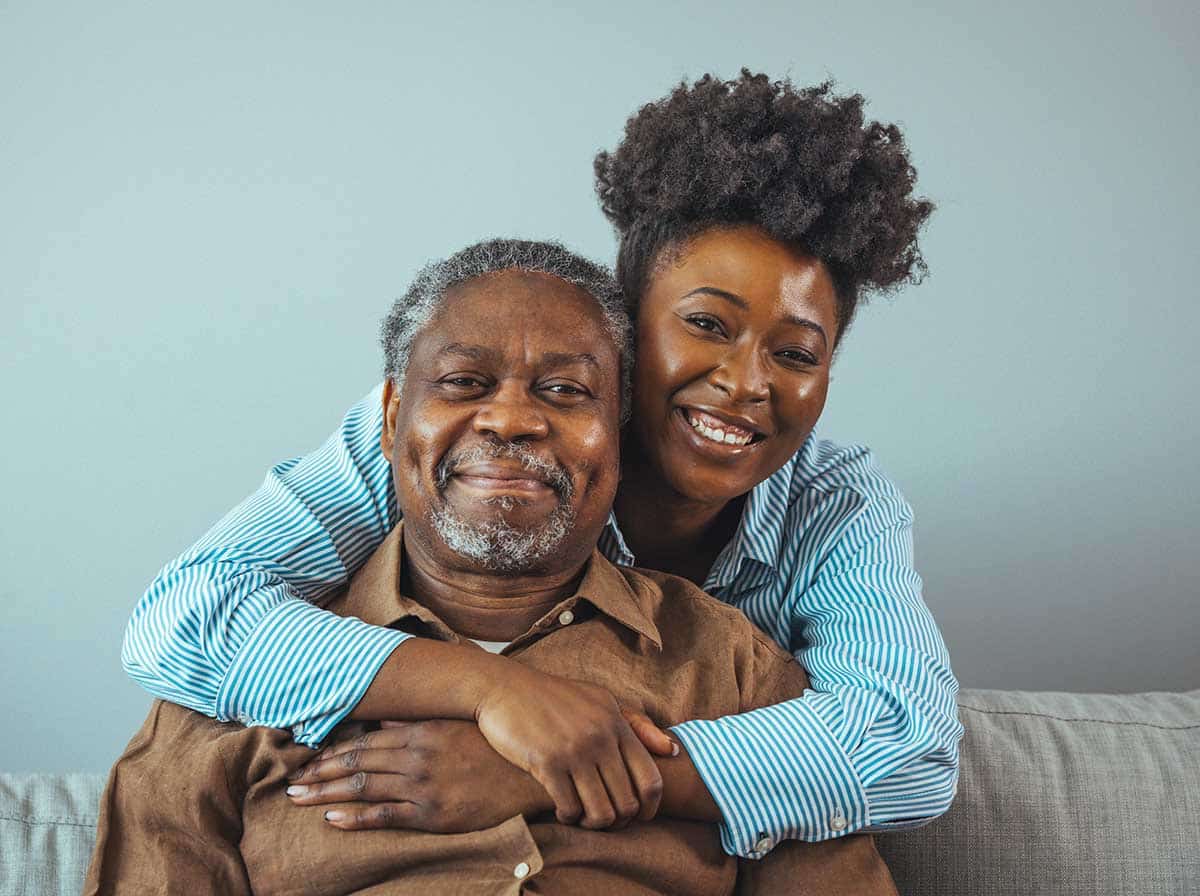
(684, 611)
(175, 732)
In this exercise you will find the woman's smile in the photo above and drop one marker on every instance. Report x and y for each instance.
(718, 434)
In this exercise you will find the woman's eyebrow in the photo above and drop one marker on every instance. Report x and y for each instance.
(735, 299)
(730, 297)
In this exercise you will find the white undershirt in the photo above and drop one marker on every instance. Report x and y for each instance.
(492, 646)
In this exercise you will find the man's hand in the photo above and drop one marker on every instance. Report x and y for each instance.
(439, 776)
(570, 736)
(573, 738)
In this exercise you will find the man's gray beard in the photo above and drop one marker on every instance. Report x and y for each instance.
(496, 545)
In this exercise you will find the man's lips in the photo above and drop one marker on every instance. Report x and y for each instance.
(500, 477)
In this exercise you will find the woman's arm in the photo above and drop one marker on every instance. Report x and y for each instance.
(874, 745)
(228, 629)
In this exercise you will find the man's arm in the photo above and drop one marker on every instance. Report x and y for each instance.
(168, 820)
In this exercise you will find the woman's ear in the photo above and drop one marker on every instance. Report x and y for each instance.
(391, 402)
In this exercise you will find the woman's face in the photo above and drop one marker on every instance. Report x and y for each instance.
(735, 338)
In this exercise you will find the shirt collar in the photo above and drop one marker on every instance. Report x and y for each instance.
(760, 534)
(374, 596)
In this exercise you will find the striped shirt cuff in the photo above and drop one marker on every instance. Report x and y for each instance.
(302, 662)
(776, 773)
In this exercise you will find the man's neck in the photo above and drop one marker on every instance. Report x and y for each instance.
(484, 606)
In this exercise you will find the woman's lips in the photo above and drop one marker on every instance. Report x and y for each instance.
(718, 430)
(724, 442)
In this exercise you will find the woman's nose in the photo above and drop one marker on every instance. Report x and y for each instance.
(742, 376)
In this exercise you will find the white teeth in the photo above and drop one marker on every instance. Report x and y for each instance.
(719, 435)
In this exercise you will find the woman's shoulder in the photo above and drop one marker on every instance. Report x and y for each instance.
(823, 467)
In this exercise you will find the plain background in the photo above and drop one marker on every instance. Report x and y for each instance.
(207, 209)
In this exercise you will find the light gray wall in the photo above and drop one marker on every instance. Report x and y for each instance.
(206, 209)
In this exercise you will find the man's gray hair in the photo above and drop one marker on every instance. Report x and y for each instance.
(417, 306)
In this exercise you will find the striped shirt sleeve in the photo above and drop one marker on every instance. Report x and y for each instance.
(873, 745)
(231, 628)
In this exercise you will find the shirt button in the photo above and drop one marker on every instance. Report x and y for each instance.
(566, 617)
(521, 871)
(838, 823)
(763, 845)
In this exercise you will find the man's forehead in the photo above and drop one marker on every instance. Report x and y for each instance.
(492, 354)
(511, 314)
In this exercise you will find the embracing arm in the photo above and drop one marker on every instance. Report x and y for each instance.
(873, 745)
(228, 628)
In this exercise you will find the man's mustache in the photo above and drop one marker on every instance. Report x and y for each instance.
(553, 474)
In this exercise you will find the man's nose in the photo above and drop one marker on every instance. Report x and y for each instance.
(742, 375)
(512, 414)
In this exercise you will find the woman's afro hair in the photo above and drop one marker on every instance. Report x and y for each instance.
(800, 163)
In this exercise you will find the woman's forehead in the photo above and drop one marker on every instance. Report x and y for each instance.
(756, 270)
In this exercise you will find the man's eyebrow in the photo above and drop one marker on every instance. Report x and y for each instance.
(462, 349)
(735, 299)
(563, 359)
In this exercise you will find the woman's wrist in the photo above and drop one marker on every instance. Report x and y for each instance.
(685, 794)
(428, 679)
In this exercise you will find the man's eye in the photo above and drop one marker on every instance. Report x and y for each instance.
(462, 382)
(565, 389)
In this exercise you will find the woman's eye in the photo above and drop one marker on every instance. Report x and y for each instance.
(706, 323)
(796, 357)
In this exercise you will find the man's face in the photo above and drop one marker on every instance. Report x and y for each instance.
(503, 437)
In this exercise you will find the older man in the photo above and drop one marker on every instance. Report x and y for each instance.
(501, 423)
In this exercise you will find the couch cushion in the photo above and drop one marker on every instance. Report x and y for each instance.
(1065, 794)
(47, 829)
(1059, 794)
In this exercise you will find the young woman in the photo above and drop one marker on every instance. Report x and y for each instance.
(752, 217)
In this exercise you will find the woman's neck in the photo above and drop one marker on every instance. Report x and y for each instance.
(669, 531)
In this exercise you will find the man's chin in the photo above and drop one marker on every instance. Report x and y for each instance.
(515, 541)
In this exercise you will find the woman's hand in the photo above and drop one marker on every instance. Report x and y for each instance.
(439, 776)
(571, 737)
(574, 740)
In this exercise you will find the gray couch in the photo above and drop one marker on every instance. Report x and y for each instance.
(1060, 794)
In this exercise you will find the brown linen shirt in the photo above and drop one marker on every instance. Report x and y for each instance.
(197, 806)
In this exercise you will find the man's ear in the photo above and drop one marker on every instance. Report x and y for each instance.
(391, 403)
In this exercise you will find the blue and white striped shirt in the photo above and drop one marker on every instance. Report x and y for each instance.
(821, 561)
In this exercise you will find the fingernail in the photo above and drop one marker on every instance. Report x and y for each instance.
(674, 748)
(296, 790)
(335, 815)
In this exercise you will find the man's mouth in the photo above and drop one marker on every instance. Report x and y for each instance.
(500, 477)
(716, 429)
(509, 468)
